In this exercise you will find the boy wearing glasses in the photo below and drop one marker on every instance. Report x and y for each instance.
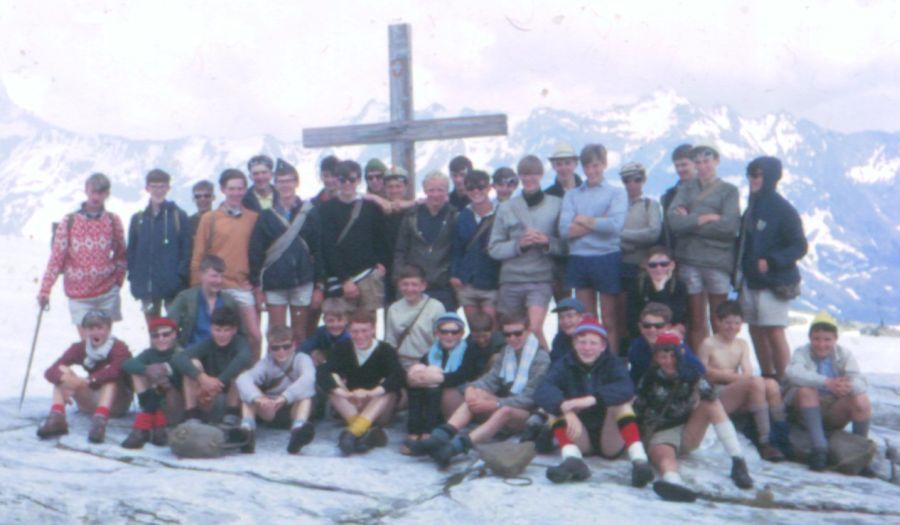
(655, 319)
(425, 238)
(503, 397)
(279, 390)
(262, 195)
(375, 171)
(475, 273)
(504, 182)
(203, 199)
(354, 247)
(157, 385)
(459, 167)
(657, 283)
(159, 248)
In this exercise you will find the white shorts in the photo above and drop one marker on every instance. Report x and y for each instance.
(299, 296)
(108, 302)
(763, 308)
(698, 280)
(241, 297)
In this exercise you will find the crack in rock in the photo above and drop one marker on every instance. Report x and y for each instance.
(42, 504)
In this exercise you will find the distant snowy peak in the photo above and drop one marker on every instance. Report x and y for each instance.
(880, 168)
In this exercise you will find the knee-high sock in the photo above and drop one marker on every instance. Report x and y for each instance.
(761, 418)
(812, 420)
(777, 412)
(148, 400)
(628, 429)
(568, 448)
(359, 426)
(728, 437)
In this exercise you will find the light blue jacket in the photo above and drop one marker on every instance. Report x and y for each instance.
(607, 205)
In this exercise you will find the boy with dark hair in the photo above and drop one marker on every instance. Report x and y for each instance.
(279, 390)
(570, 313)
(727, 362)
(159, 248)
(592, 218)
(475, 273)
(503, 396)
(564, 161)
(157, 385)
(409, 327)
(685, 170)
(505, 182)
(524, 238)
(655, 319)
(210, 367)
(327, 173)
(459, 167)
(375, 172)
(673, 421)
(354, 247)
(363, 380)
(192, 308)
(262, 195)
(484, 340)
(104, 392)
(203, 193)
(285, 259)
(826, 389)
(89, 250)
(589, 393)
(321, 343)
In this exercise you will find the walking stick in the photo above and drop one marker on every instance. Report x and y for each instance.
(31, 356)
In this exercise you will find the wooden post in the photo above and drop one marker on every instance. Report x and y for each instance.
(403, 152)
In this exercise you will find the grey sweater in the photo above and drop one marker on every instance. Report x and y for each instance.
(533, 264)
(642, 226)
(802, 370)
(295, 381)
(494, 383)
(711, 245)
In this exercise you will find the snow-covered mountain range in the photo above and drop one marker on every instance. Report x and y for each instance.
(844, 185)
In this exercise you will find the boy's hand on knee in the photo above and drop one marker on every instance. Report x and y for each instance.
(573, 426)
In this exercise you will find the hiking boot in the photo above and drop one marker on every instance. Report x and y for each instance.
(641, 473)
(249, 436)
(426, 446)
(532, 428)
(868, 472)
(97, 433)
(159, 436)
(739, 474)
(347, 443)
(54, 425)
(818, 460)
(443, 454)
(136, 439)
(375, 437)
(231, 420)
(571, 469)
(770, 453)
(544, 444)
(674, 492)
(300, 437)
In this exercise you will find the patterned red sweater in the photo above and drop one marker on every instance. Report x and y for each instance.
(91, 256)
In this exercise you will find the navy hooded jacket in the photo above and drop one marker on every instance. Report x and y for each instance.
(771, 230)
(159, 252)
(299, 264)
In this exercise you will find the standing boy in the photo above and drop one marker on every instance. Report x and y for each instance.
(261, 196)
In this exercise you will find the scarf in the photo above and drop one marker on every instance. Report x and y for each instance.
(533, 199)
(436, 353)
(518, 376)
(98, 354)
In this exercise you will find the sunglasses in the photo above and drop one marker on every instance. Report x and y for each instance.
(648, 326)
(476, 187)
(512, 183)
(374, 176)
(451, 331)
(659, 264)
(279, 348)
(162, 333)
(514, 333)
(203, 195)
(347, 180)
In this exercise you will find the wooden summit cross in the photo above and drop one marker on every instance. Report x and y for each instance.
(403, 131)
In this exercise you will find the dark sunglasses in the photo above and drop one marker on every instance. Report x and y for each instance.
(278, 348)
(451, 331)
(511, 182)
(659, 264)
(375, 176)
(475, 187)
(514, 333)
(203, 195)
(347, 180)
(161, 333)
(652, 325)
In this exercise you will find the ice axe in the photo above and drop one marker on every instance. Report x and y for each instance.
(37, 329)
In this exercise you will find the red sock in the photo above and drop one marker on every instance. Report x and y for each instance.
(102, 411)
(628, 429)
(561, 437)
(144, 421)
(56, 407)
(159, 419)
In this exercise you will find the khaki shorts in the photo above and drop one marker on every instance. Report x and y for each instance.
(698, 280)
(515, 298)
(471, 296)
(241, 297)
(763, 308)
(108, 302)
(676, 437)
(298, 296)
(371, 293)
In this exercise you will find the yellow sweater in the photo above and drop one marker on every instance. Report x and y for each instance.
(228, 237)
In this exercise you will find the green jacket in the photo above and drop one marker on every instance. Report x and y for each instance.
(223, 363)
(183, 310)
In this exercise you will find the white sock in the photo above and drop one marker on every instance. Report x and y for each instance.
(636, 452)
(728, 437)
(673, 477)
(299, 422)
(571, 451)
(248, 423)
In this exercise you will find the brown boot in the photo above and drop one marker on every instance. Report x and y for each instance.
(97, 433)
(159, 436)
(136, 439)
(54, 425)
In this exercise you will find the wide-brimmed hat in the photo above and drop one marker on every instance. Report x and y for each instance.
(563, 150)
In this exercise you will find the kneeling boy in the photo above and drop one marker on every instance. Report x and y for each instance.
(279, 390)
(104, 391)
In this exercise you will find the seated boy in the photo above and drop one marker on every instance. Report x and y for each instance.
(210, 367)
(655, 319)
(675, 405)
(411, 318)
(104, 392)
(570, 313)
(727, 362)
(433, 383)
(589, 393)
(279, 390)
(322, 341)
(192, 308)
(826, 388)
(363, 380)
(157, 385)
(484, 340)
(503, 396)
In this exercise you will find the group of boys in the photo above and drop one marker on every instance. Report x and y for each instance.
(345, 256)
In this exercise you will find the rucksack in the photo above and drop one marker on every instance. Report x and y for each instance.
(193, 439)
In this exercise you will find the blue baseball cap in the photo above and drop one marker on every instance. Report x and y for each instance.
(569, 303)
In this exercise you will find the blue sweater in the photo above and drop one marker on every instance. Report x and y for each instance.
(159, 252)
(608, 205)
(474, 266)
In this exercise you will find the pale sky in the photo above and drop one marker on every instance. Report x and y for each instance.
(169, 69)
